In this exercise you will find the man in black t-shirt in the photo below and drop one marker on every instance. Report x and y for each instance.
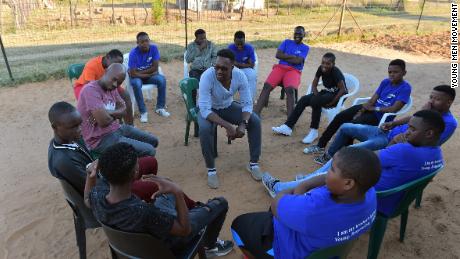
(334, 83)
(167, 218)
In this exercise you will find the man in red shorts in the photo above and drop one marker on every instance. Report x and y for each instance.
(292, 55)
(95, 69)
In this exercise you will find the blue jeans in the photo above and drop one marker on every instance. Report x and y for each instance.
(371, 137)
(281, 186)
(159, 81)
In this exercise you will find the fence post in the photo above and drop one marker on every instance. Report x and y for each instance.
(344, 3)
(6, 59)
(420, 17)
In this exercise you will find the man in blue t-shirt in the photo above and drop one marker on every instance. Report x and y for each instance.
(418, 156)
(143, 69)
(375, 138)
(331, 209)
(245, 59)
(392, 94)
(292, 55)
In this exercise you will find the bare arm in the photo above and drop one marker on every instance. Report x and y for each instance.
(341, 92)
(104, 118)
(91, 173)
(250, 64)
(145, 73)
(314, 85)
(289, 58)
(181, 226)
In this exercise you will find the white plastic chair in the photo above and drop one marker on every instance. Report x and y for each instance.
(403, 110)
(147, 89)
(185, 66)
(353, 87)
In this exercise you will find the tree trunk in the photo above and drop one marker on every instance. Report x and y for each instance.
(70, 13)
(90, 7)
(134, 13)
(146, 12)
(277, 7)
(113, 14)
(242, 10)
(1, 17)
(166, 11)
(400, 6)
(197, 10)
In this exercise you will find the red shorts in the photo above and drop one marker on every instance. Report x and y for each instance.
(143, 189)
(78, 87)
(287, 75)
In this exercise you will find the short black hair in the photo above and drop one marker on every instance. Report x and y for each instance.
(199, 32)
(58, 109)
(300, 27)
(447, 90)
(398, 62)
(433, 120)
(141, 34)
(361, 165)
(226, 53)
(117, 163)
(115, 53)
(330, 55)
(240, 35)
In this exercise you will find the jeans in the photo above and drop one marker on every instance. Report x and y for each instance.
(316, 102)
(368, 118)
(251, 75)
(234, 115)
(212, 215)
(144, 143)
(159, 81)
(281, 186)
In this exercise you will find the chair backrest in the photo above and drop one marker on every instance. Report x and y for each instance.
(339, 251)
(185, 66)
(256, 62)
(74, 71)
(187, 85)
(136, 245)
(411, 190)
(352, 84)
(75, 201)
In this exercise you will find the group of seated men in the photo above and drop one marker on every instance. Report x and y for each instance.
(123, 190)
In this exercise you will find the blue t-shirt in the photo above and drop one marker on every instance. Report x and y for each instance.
(313, 221)
(289, 47)
(142, 61)
(389, 94)
(243, 56)
(403, 163)
(449, 121)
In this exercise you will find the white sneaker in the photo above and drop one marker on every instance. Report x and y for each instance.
(162, 112)
(310, 137)
(283, 129)
(144, 117)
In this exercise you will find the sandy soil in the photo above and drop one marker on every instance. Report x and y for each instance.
(35, 221)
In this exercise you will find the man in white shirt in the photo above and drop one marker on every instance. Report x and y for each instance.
(218, 84)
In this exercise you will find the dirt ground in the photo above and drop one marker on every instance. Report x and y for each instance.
(36, 222)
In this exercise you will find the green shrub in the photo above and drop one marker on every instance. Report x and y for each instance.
(157, 11)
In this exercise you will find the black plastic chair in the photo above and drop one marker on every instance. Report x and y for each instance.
(141, 245)
(83, 217)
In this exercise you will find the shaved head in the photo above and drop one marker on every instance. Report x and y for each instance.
(113, 77)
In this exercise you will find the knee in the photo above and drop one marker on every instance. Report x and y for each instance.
(205, 129)
(254, 120)
(161, 81)
(315, 102)
(221, 202)
(267, 87)
(136, 82)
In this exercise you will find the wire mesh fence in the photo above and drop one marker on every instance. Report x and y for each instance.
(56, 32)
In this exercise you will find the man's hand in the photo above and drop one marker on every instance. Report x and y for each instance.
(358, 114)
(330, 105)
(231, 132)
(368, 107)
(400, 138)
(240, 130)
(387, 126)
(92, 168)
(165, 186)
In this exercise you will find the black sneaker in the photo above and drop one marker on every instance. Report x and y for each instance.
(222, 247)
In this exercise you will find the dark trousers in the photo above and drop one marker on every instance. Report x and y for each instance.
(346, 116)
(316, 102)
(212, 215)
(195, 73)
(254, 233)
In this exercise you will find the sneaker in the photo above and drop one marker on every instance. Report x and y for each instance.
(162, 112)
(255, 172)
(312, 135)
(283, 130)
(269, 183)
(144, 117)
(313, 149)
(213, 181)
(322, 159)
(222, 247)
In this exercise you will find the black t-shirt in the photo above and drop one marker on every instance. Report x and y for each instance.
(131, 215)
(331, 79)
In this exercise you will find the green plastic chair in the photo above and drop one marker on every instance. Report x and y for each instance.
(339, 251)
(412, 190)
(74, 71)
(187, 85)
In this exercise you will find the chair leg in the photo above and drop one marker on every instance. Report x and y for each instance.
(376, 237)
(418, 200)
(187, 130)
(215, 141)
(402, 228)
(80, 236)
